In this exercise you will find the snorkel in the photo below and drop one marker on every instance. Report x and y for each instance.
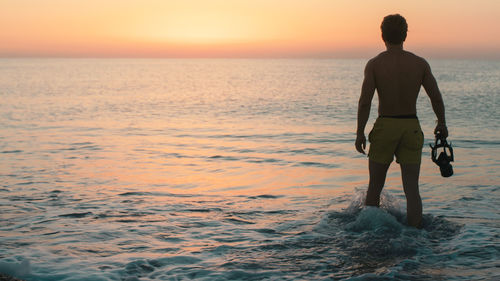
(444, 158)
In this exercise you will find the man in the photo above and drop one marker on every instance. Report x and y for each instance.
(397, 76)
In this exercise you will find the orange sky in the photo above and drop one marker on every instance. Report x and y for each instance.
(243, 28)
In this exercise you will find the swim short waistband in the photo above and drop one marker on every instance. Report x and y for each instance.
(411, 116)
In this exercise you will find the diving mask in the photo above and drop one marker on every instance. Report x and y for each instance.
(444, 158)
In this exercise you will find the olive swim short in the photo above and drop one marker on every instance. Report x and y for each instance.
(398, 135)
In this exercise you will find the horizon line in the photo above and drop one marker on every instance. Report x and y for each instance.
(319, 57)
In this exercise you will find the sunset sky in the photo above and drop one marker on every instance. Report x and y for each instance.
(243, 28)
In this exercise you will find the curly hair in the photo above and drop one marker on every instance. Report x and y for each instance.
(394, 29)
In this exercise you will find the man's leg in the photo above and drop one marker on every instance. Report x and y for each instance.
(378, 172)
(410, 174)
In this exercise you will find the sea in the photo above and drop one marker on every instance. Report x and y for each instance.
(234, 169)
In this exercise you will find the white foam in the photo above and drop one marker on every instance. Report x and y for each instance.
(15, 267)
(373, 218)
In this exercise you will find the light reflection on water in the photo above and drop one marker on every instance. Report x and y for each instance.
(228, 169)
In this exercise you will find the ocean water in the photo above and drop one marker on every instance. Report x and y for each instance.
(214, 169)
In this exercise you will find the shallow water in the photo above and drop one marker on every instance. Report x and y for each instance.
(232, 170)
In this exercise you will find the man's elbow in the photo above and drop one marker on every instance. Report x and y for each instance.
(437, 101)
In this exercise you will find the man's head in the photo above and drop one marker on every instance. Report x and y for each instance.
(394, 28)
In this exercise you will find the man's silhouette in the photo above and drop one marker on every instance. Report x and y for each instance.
(397, 76)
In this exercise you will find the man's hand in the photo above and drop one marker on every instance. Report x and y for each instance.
(361, 143)
(441, 130)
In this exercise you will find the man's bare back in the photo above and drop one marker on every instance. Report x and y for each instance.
(398, 75)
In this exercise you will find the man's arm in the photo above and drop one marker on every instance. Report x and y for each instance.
(364, 105)
(432, 90)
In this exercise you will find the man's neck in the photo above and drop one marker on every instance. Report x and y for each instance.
(391, 47)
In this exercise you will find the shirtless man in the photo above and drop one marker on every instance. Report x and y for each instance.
(397, 76)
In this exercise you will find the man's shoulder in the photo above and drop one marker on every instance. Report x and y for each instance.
(412, 58)
(377, 57)
(415, 57)
(373, 61)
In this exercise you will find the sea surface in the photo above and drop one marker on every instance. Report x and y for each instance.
(234, 169)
